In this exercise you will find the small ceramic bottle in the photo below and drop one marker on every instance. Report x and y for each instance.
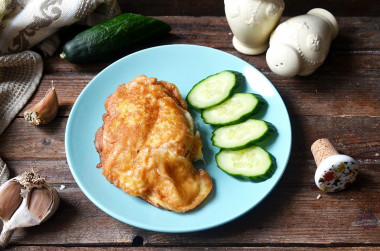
(300, 45)
(251, 22)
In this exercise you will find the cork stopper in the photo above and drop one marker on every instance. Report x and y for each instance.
(321, 149)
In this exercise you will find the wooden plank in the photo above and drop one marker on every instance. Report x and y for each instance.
(290, 215)
(295, 196)
(351, 90)
(355, 33)
(358, 34)
(300, 168)
(357, 67)
(216, 8)
(195, 248)
(24, 141)
(354, 136)
(339, 101)
(55, 171)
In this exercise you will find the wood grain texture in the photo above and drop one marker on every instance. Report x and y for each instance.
(349, 76)
(354, 136)
(339, 101)
(354, 212)
(358, 35)
(216, 7)
(354, 93)
(194, 248)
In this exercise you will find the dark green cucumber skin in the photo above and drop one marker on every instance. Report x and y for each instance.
(271, 130)
(238, 82)
(261, 103)
(112, 37)
(259, 178)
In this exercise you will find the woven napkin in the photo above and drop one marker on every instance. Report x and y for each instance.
(27, 24)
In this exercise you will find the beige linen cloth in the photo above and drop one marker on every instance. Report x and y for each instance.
(27, 24)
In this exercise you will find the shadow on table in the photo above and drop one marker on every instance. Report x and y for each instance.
(60, 220)
(275, 205)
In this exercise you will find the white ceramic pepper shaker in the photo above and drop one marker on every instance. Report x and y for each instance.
(334, 171)
(251, 22)
(300, 45)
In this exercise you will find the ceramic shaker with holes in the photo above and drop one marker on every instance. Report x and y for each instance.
(251, 22)
(300, 45)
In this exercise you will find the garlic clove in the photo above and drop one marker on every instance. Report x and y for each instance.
(10, 199)
(45, 110)
(39, 201)
(45, 205)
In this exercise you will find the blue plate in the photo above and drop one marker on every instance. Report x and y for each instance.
(183, 65)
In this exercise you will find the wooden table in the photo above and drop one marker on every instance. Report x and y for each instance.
(339, 101)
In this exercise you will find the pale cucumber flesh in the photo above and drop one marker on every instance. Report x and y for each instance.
(235, 109)
(213, 90)
(253, 162)
(240, 135)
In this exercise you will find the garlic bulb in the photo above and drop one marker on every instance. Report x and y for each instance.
(45, 110)
(26, 200)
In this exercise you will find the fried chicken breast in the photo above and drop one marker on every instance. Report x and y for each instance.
(147, 145)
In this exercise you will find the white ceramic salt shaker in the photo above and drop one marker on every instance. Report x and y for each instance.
(300, 45)
(251, 22)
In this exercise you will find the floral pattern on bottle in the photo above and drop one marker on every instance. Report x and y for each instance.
(338, 177)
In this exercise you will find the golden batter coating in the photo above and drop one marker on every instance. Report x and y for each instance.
(147, 144)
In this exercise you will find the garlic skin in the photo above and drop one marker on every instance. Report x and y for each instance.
(26, 200)
(45, 110)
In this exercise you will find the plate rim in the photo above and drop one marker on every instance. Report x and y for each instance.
(179, 229)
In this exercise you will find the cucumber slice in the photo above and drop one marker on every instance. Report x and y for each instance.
(214, 89)
(242, 135)
(234, 110)
(252, 163)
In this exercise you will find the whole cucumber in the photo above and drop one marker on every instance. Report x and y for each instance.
(112, 36)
